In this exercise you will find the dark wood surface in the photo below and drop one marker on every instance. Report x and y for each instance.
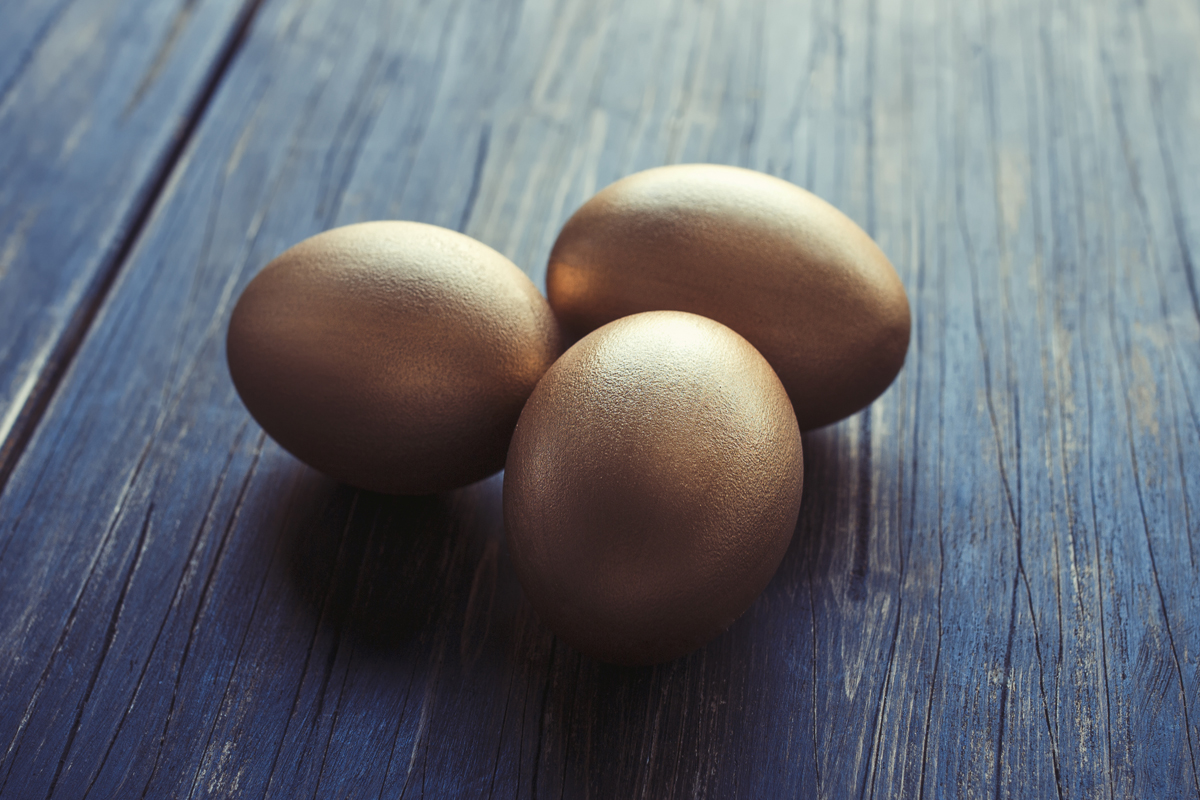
(992, 590)
(96, 99)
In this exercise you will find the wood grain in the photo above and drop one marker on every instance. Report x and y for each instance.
(993, 586)
(96, 98)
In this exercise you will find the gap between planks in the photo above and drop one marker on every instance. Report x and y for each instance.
(26, 414)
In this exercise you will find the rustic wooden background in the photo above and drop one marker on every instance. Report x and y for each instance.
(993, 589)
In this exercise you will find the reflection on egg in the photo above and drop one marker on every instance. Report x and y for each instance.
(804, 284)
(393, 356)
(652, 486)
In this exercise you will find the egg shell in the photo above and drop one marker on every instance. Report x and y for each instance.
(393, 356)
(795, 276)
(652, 486)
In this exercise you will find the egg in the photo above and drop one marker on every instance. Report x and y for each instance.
(652, 486)
(795, 276)
(392, 356)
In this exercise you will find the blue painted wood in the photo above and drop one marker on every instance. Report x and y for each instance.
(993, 584)
(96, 96)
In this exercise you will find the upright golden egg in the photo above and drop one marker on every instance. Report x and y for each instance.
(652, 486)
(782, 267)
(393, 356)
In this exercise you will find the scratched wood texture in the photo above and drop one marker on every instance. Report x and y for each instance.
(992, 590)
(96, 96)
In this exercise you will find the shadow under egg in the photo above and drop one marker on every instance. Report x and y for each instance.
(385, 569)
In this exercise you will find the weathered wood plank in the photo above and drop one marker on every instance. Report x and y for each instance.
(95, 96)
(993, 583)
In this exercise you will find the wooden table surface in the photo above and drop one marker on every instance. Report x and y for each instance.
(993, 587)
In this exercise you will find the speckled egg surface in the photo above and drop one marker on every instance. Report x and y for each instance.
(795, 276)
(652, 486)
(393, 356)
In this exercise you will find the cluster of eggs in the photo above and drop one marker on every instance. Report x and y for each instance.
(653, 471)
